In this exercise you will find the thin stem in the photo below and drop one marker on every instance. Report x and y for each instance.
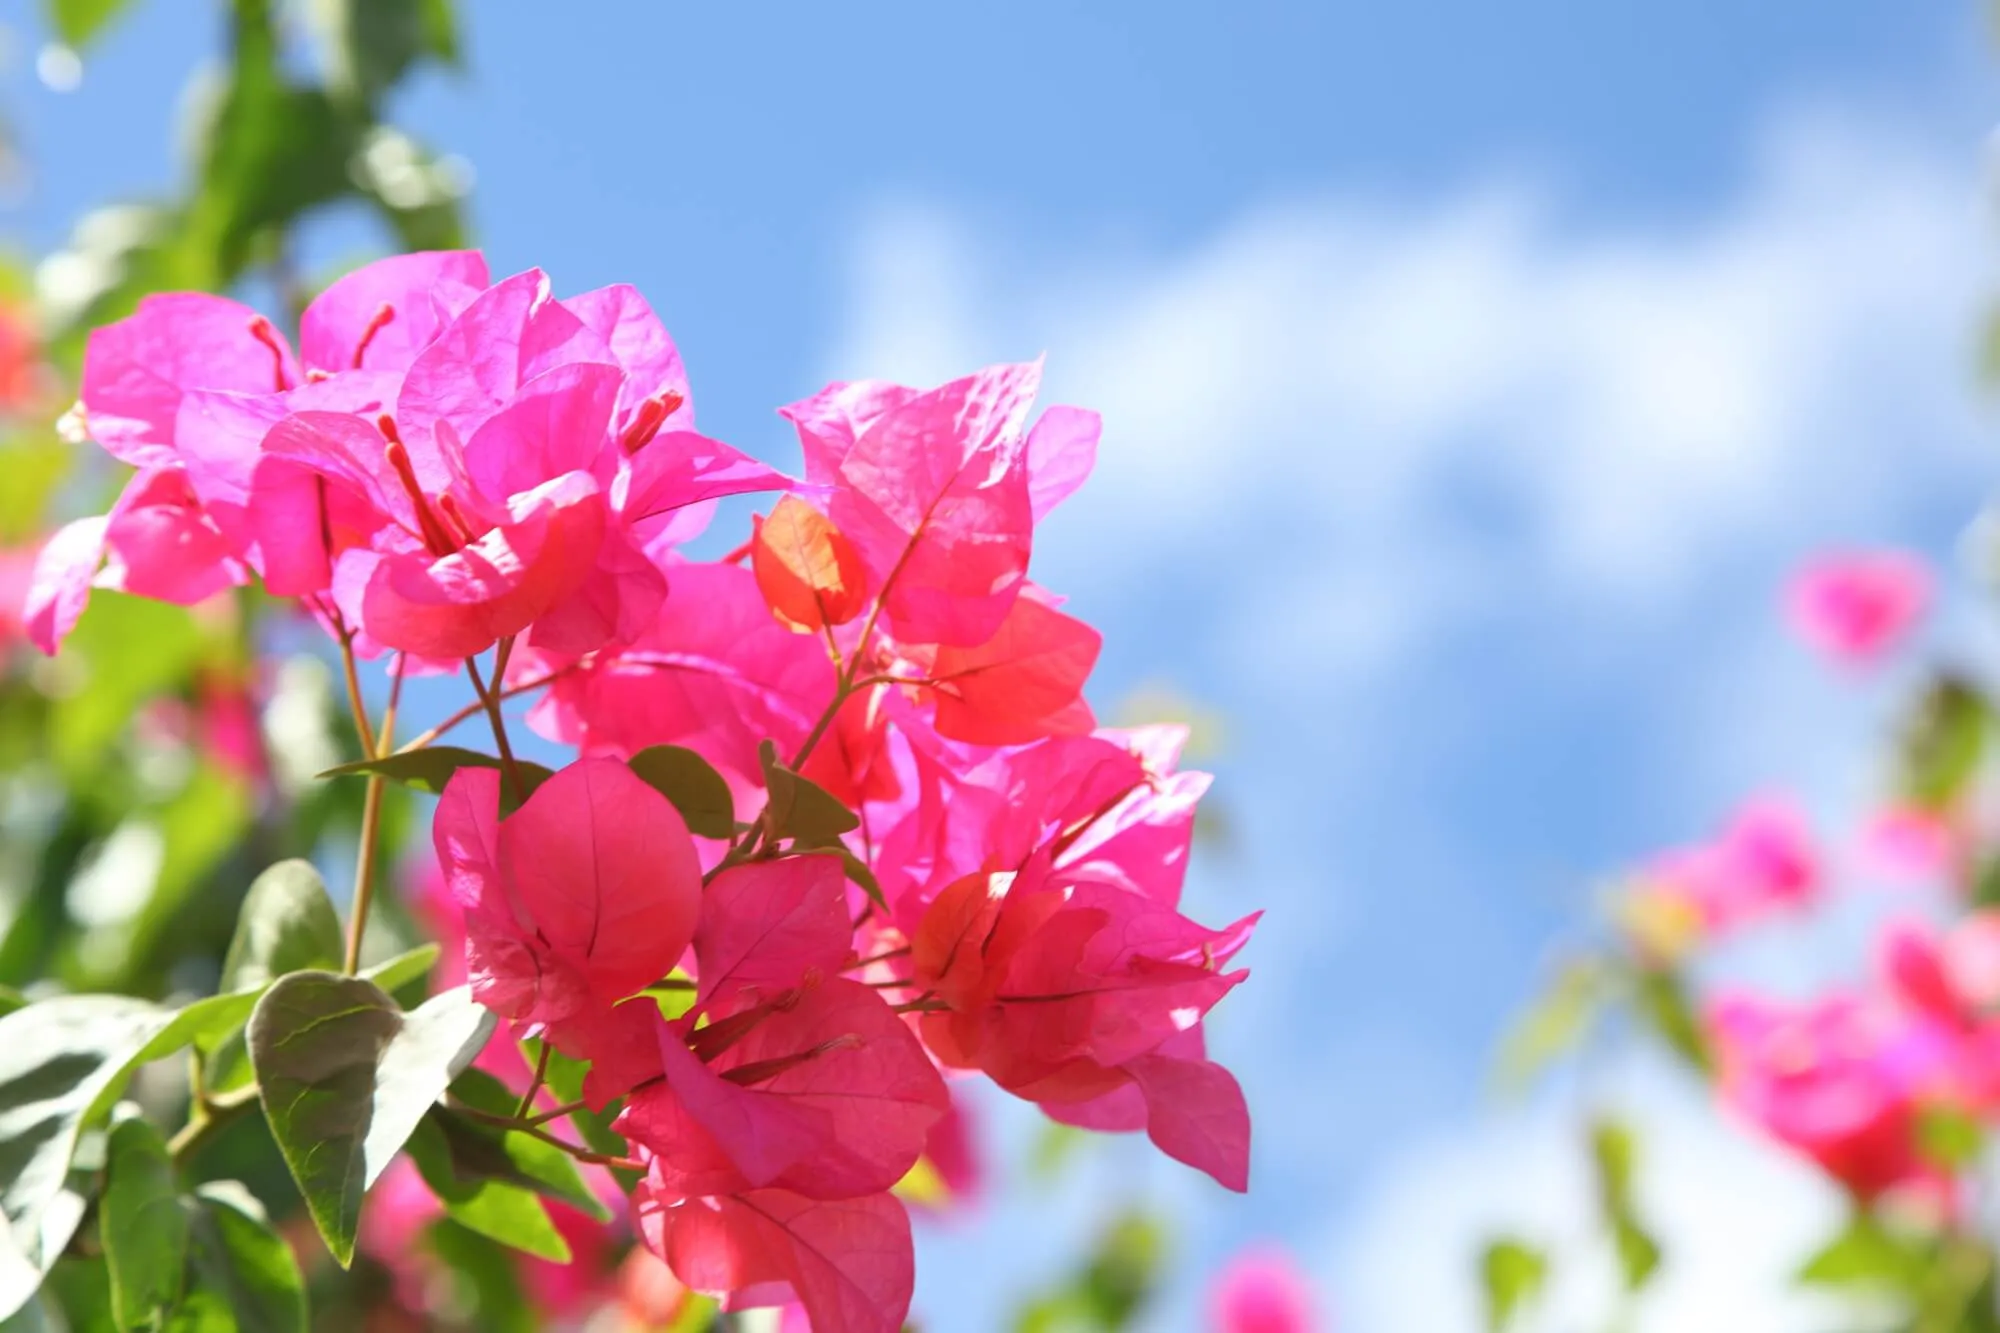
(371, 823)
(354, 704)
(557, 1113)
(883, 957)
(478, 706)
(535, 1083)
(491, 700)
(211, 1115)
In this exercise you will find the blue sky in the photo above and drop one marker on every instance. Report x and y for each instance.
(1472, 374)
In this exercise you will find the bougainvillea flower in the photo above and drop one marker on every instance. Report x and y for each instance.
(1835, 1080)
(848, 1261)
(1066, 991)
(806, 568)
(1022, 684)
(1855, 606)
(714, 672)
(771, 926)
(586, 894)
(1764, 861)
(1909, 844)
(826, 1093)
(1261, 1290)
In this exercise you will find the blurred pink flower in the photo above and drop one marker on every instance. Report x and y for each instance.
(1836, 1080)
(1262, 1291)
(1764, 861)
(1854, 605)
(1909, 845)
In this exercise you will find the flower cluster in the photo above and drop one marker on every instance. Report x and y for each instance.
(945, 865)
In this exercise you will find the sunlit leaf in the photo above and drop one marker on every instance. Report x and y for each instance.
(345, 1077)
(1513, 1274)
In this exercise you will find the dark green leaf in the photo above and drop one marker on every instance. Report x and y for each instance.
(244, 1278)
(699, 792)
(345, 1077)
(287, 924)
(858, 871)
(371, 44)
(430, 768)
(81, 1290)
(63, 1062)
(78, 21)
(1943, 742)
(1513, 1274)
(801, 809)
(144, 1231)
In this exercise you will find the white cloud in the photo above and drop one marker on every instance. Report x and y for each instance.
(1734, 1221)
(1404, 414)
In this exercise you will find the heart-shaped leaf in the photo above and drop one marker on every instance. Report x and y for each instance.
(287, 924)
(699, 792)
(801, 809)
(345, 1077)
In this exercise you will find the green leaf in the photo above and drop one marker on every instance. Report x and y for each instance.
(801, 809)
(1867, 1254)
(1663, 1002)
(699, 792)
(1949, 1138)
(493, 1207)
(345, 1077)
(392, 974)
(1615, 1151)
(1513, 1274)
(63, 1062)
(430, 768)
(1554, 1024)
(1943, 742)
(440, 30)
(287, 924)
(509, 1154)
(243, 1274)
(371, 44)
(78, 21)
(81, 1290)
(858, 871)
(145, 1233)
(10, 1000)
